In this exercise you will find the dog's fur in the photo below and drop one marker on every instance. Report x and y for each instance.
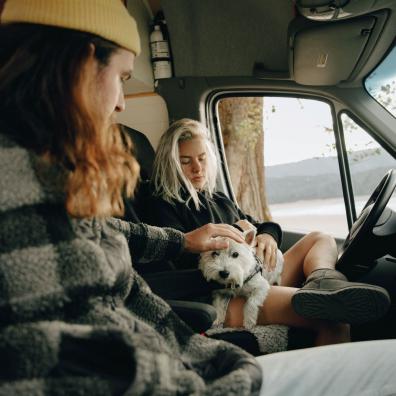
(230, 267)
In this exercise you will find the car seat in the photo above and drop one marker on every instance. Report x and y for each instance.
(160, 276)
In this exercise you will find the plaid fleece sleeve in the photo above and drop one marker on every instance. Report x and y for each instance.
(149, 243)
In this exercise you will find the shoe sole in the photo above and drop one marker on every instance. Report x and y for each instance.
(353, 305)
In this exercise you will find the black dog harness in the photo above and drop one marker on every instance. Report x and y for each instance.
(258, 268)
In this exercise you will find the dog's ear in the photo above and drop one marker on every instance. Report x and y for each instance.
(250, 236)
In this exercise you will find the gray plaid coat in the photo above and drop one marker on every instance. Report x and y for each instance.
(76, 319)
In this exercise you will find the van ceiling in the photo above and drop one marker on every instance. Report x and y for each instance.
(231, 44)
(250, 37)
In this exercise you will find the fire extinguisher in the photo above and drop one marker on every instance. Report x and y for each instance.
(160, 51)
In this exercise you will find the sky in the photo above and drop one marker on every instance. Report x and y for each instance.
(295, 130)
(384, 74)
(298, 129)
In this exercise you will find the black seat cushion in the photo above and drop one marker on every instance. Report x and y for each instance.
(199, 316)
(142, 150)
(144, 153)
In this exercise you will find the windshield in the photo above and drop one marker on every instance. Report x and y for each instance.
(381, 83)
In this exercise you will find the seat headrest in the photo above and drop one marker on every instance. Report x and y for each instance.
(142, 150)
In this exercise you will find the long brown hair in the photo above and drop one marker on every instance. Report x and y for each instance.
(46, 105)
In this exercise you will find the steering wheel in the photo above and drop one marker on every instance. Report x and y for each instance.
(358, 253)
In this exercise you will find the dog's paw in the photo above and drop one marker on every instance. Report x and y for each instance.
(250, 314)
(217, 323)
(249, 323)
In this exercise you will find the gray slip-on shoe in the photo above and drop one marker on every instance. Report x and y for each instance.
(328, 295)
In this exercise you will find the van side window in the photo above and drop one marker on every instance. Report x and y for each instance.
(368, 162)
(381, 83)
(282, 161)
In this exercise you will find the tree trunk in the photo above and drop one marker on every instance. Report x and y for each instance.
(2, 2)
(241, 121)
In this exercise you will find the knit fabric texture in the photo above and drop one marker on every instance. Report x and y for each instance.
(270, 338)
(76, 319)
(105, 18)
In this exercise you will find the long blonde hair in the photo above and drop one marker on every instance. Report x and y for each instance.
(168, 177)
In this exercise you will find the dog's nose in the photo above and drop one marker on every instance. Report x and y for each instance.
(224, 274)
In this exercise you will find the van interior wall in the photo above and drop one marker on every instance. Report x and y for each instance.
(142, 80)
(147, 114)
(185, 97)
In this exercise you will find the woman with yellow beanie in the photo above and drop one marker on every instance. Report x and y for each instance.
(75, 318)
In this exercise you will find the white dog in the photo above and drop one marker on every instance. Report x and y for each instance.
(242, 273)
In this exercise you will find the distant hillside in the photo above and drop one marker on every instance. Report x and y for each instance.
(319, 177)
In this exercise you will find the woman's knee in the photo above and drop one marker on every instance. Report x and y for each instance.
(319, 236)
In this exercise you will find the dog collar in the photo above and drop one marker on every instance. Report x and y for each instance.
(258, 268)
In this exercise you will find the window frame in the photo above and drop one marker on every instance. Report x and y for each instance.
(377, 138)
(336, 109)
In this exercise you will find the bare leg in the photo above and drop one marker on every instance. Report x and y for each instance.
(277, 309)
(314, 251)
(353, 302)
(327, 294)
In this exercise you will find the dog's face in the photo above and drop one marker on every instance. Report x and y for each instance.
(230, 266)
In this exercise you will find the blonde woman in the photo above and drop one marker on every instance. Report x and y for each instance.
(184, 181)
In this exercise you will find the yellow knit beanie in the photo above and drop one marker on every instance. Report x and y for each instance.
(108, 19)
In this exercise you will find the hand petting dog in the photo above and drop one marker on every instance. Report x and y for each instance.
(205, 238)
(265, 245)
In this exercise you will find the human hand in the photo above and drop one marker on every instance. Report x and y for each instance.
(266, 250)
(202, 239)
